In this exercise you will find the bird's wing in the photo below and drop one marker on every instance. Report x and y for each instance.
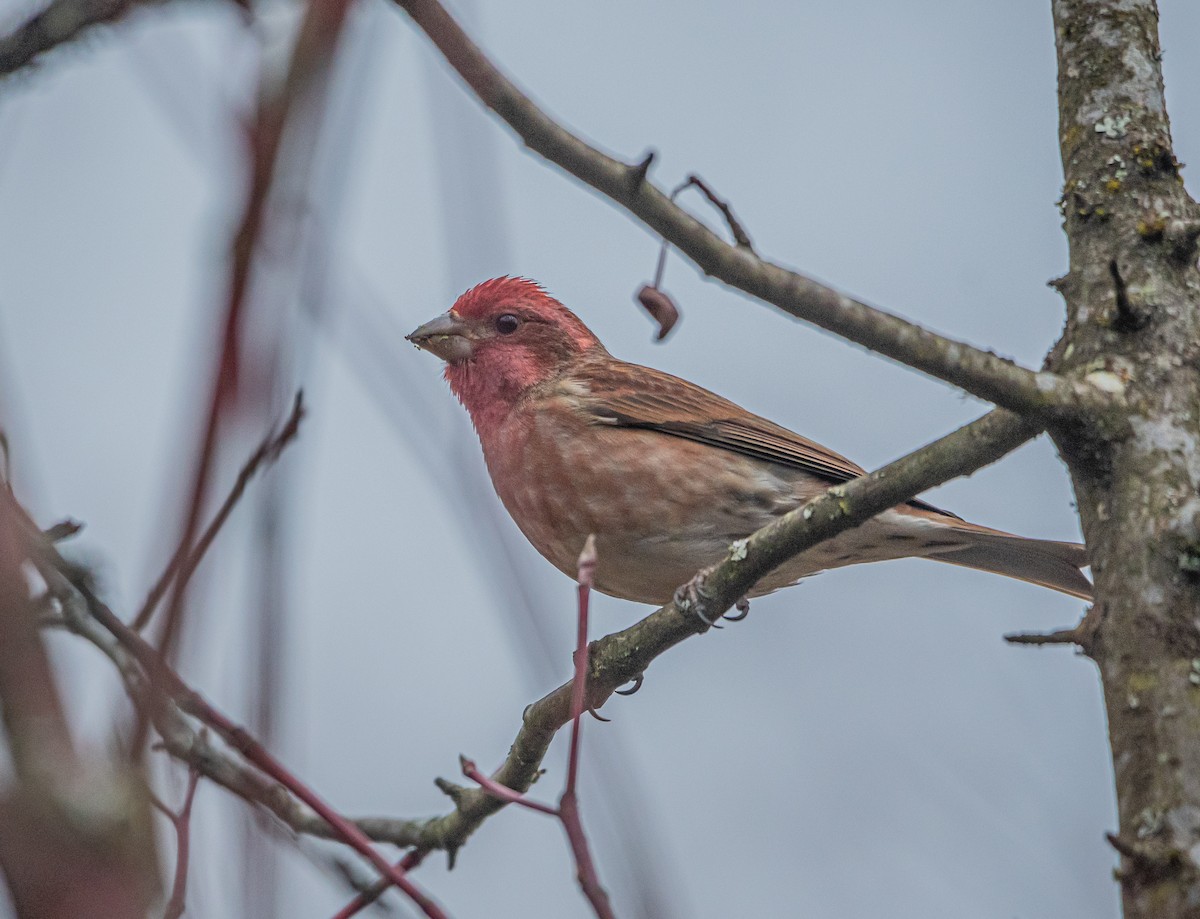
(630, 396)
(625, 395)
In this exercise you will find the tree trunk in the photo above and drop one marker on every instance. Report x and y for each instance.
(1133, 322)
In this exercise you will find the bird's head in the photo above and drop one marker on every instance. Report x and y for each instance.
(501, 337)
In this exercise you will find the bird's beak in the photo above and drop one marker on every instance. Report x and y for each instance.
(446, 337)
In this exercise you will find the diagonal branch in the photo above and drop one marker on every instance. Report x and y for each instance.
(981, 373)
(61, 22)
(188, 557)
(161, 695)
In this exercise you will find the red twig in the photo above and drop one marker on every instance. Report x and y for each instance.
(182, 822)
(168, 682)
(411, 860)
(503, 792)
(184, 562)
(587, 571)
(315, 46)
(568, 805)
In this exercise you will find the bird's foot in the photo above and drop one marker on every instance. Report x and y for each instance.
(690, 597)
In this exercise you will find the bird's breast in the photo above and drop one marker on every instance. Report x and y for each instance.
(661, 506)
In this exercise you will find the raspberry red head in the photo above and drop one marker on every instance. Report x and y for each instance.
(500, 338)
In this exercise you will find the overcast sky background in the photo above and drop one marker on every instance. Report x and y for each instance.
(863, 745)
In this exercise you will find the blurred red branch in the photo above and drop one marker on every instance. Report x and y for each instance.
(184, 563)
(172, 685)
(411, 860)
(156, 686)
(313, 52)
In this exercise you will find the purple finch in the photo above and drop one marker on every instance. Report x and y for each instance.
(665, 473)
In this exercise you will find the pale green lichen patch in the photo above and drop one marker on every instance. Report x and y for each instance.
(1113, 128)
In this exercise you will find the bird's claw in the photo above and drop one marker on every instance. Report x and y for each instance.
(743, 610)
(689, 596)
(637, 684)
(595, 714)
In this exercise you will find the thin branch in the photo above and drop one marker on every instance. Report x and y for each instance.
(184, 562)
(740, 236)
(241, 740)
(365, 898)
(192, 747)
(981, 373)
(587, 574)
(61, 22)
(568, 804)
(165, 688)
(182, 823)
(503, 793)
(1082, 634)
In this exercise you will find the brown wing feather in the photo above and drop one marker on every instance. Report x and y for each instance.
(626, 395)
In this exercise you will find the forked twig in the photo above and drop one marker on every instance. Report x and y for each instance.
(182, 822)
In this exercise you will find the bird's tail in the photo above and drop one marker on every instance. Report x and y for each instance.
(1039, 561)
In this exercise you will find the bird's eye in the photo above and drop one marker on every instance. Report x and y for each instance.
(507, 324)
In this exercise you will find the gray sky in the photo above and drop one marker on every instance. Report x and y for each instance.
(864, 744)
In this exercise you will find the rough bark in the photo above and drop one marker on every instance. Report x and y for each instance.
(1133, 311)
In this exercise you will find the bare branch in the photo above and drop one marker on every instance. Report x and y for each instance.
(502, 792)
(73, 842)
(740, 236)
(61, 22)
(981, 373)
(184, 562)
(365, 898)
(568, 804)
(182, 823)
(162, 694)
